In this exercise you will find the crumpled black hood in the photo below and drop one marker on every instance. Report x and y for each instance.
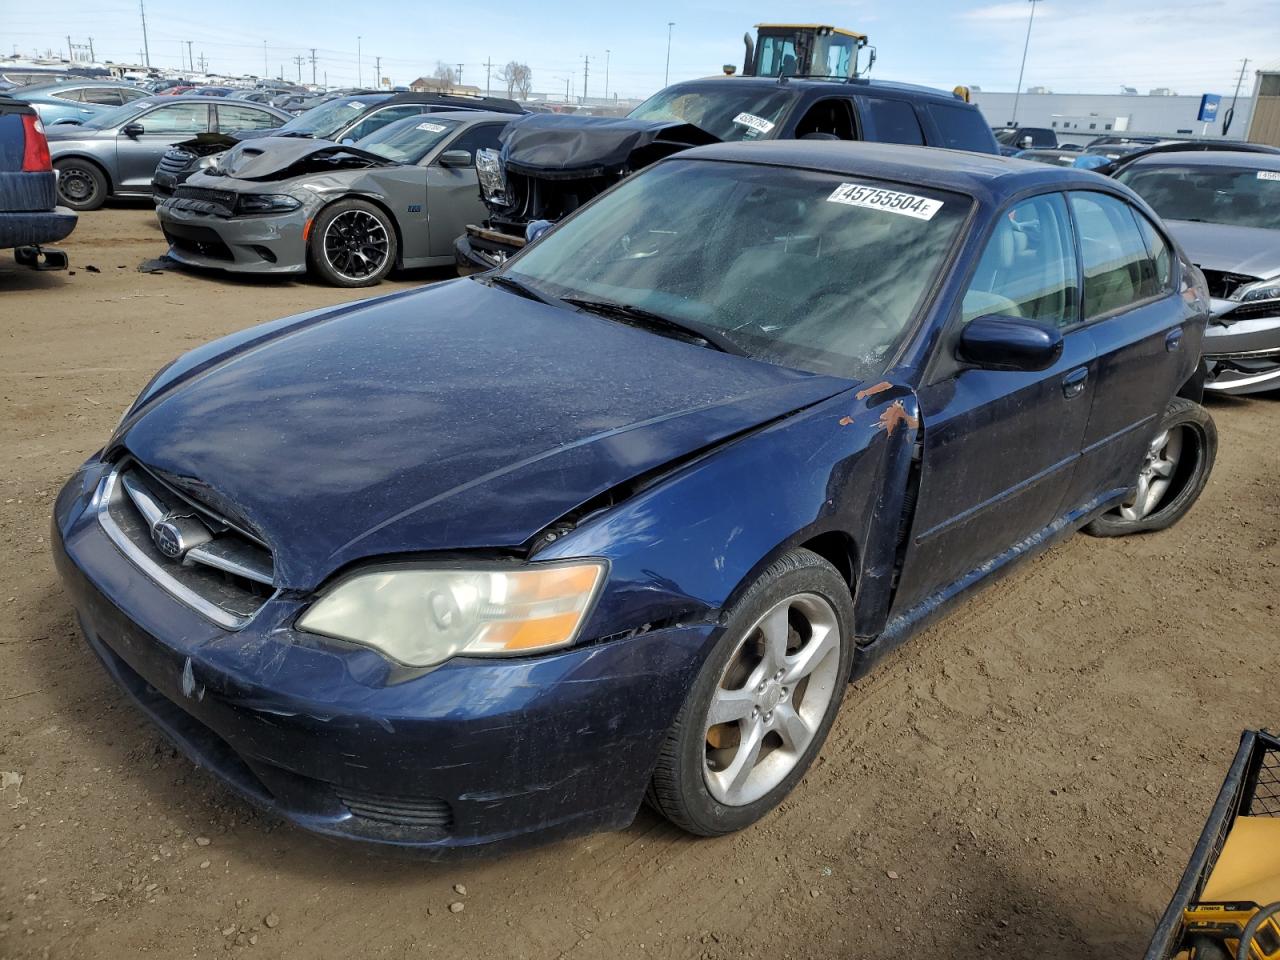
(553, 145)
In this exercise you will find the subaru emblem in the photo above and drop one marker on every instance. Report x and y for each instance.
(168, 539)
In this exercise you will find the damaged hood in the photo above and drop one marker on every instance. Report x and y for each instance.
(276, 158)
(554, 145)
(1252, 251)
(448, 418)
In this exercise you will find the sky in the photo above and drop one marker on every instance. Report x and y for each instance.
(1077, 46)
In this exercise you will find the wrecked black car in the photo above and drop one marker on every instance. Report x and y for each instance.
(551, 164)
(347, 213)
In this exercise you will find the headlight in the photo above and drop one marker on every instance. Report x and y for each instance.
(1259, 290)
(266, 203)
(423, 616)
(204, 163)
(493, 183)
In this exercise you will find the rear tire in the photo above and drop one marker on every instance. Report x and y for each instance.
(81, 185)
(776, 701)
(1175, 472)
(352, 244)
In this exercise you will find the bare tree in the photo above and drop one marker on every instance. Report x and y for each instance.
(518, 78)
(443, 77)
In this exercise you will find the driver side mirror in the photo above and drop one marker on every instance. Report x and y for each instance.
(134, 129)
(1010, 343)
(456, 158)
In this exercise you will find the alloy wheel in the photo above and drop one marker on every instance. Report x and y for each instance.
(356, 244)
(771, 699)
(1156, 475)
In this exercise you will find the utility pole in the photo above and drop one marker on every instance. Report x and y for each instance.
(1017, 94)
(299, 60)
(313, 66)
(359, 66)
(377, 72)
(69, 54)
(204, 64)
(190, 59)
(458, 82)
(266, 69)
(146, 49)
(566, 90)
(606, 74)
(1231, 114)
(666, 77)
(488, 69)
(92, 58)
(586, 70)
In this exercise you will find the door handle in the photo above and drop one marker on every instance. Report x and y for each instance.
(1073, 383)
(1173, 339)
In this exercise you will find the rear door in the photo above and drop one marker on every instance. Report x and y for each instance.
(1143, 330)
(1000, 447)
(889, 120)
(162, 127)
(453, 193)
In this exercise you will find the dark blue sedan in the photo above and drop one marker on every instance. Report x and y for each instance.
(501, 558)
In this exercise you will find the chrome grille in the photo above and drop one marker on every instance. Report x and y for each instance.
(202, 559)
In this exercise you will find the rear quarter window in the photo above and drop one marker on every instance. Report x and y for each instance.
(961, 128)
(893, 121)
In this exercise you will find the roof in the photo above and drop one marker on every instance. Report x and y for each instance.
(859, 85)
(985, 176)
(466, 101)
(1209, 158)
(811, 26)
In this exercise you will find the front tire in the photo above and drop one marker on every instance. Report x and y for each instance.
(81, 185)
(352, 244)
(763, 703)
(1176, 468)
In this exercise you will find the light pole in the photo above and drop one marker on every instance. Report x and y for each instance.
(1017, 94)
(359, 73)
(606, 74)
(666, 77)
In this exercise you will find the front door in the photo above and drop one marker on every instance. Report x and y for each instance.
(453, 192)
(1000, 447)
(162, 127)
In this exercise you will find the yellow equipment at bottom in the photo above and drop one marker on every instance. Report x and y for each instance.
(1246, 876)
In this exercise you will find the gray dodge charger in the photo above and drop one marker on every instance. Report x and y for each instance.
(348, 212)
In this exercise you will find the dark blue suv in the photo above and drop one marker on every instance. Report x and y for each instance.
(499, 558)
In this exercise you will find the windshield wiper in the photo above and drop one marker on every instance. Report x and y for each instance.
(517, 286)
(640, 317)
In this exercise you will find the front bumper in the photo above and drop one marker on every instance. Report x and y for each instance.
(271, 244)
(481, 249)
(1244, 356)
(24, 229)
(476, 754)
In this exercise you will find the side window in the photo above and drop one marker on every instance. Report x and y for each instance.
(1161, 256)
(128, 95)
(962, 128)
(1028, 268)
(894, 121)
(380, 118)
(479, 137)
(233, 117)
(1117, 268)
(76, 95)
(177, 118)
(829, 119)
(106, 95)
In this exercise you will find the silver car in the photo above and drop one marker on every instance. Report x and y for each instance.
(1223, 206)
(348, 212)
(116, 152)
(76, 101)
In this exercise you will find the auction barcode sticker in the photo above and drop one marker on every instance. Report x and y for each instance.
(754, 122)
(1269, 174)
(432, 127)
(877, 198)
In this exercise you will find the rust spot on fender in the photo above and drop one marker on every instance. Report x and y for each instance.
(895, 414)
(880, 387)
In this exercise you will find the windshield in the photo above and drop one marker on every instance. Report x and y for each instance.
(328, 118)
(1236, 196)
(807, 270)
(407, 141)
(749, 112)
(119, 115)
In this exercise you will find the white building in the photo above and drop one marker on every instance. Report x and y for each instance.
(1079, 117)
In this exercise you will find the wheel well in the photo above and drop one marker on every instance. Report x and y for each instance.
(374, 201)
(92, 162)
(837, 548)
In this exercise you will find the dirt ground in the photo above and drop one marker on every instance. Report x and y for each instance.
(1024, 780)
